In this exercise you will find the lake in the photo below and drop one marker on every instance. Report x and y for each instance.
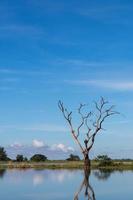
(45, 184)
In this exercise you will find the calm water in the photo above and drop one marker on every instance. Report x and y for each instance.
(65, 185)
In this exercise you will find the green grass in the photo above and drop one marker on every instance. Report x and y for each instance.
(43, 165)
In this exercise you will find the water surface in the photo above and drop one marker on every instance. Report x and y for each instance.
(65, 185)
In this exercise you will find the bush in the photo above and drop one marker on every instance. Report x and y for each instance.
(104, 160)
(25, 159)
(3, 155)
(19, 158)
(73, 158)
(38, 158)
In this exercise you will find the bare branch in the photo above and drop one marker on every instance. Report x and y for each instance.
(88, 128)
(84, 119)
(103, 114)
(67, 115)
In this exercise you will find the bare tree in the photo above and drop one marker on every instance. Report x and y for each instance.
(91, 122)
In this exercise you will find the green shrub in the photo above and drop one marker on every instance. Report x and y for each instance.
(3, 155)
(104, 160)
(38, 158)
(19, 158)
(73, 158)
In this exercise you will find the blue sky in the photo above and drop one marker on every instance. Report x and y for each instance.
(70, 50)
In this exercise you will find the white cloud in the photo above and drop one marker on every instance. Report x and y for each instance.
(55, 151)
(37, 143)
(107, 84)
(62, 147)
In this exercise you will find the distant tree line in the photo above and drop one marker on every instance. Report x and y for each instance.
(21, 158)
(102, 160)
(34, 158)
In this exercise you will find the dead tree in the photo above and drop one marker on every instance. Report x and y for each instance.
(92, 122)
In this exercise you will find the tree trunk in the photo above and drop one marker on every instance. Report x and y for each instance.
(87, 163)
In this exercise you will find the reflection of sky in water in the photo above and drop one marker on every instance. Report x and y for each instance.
(54, 176)
(38, 176)
(63, 184)
(38, 179)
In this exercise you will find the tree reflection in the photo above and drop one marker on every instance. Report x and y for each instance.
(103, 174)
(2, 172)
(89, 192)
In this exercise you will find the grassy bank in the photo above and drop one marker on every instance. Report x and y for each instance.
(43, 165)
(66, 165)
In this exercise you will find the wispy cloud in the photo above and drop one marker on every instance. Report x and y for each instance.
(108, 13)
(7, 71)
(27, 72)
(46, 128)
(49, 6)
(9, 80)
(6, 88)
(21, 30)
(35, 127)
(105, 84)
(93, 64)
(105, 9)
(79, 62)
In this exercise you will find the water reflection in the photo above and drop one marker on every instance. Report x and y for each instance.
(88, 189)
(38, 179)
(36, 184)
(103, 174)
(2, 172)
(55, 176)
